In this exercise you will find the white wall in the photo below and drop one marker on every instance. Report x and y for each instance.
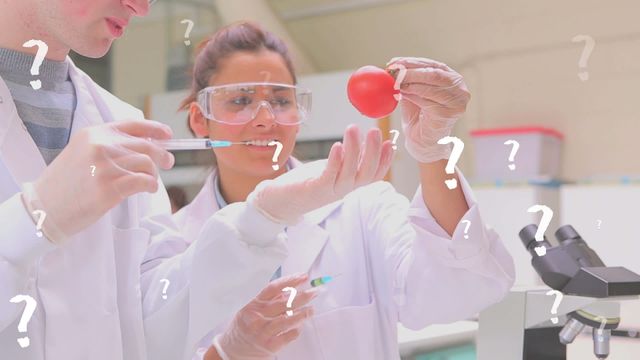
(140, 58)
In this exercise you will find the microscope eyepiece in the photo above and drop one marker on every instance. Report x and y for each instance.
(528, 234)
(567, 233)
(528, 237)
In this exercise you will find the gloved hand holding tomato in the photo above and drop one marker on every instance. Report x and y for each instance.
(433, 97)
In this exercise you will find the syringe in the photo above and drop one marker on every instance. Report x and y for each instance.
(195, 144)
(323, 280)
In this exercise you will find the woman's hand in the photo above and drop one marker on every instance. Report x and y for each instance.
(311, 186)
(262, 327)
(434, 96)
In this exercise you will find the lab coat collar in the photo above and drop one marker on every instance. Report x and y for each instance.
(14, 135)
(104, 108)
(309, 234)
(86, 113)
(311, 237)
(200, 209)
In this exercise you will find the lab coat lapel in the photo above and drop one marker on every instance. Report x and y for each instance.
(200, 209)
(88, 113)
(97, 106)
(307, 238)
(26, 164)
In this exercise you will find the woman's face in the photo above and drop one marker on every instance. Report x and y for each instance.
(256, 161)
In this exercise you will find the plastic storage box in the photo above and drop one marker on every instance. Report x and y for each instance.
(538, 157)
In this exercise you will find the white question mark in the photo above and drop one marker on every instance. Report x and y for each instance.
(556, 303)
(29, 309)
(458, 146)
(41, 217)
(267, 75)
(186, 33)
(35, 68)
(395, 133)
(93, 170)
(603, 323)
(466, 228)
(586, 52)
(599, 223)
(547, 214)
(164, 289)
(399, 78)
(292, 295)
(278, 145)
(514, 150)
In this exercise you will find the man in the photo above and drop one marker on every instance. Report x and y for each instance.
(85, 220)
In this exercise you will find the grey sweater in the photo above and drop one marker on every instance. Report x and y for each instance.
(47, 113)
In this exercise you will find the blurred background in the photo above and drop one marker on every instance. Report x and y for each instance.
(559, 77)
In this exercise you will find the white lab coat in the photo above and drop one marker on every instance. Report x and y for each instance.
(396, 264)
(99, 296)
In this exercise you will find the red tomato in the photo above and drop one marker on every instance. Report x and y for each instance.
(370, 90)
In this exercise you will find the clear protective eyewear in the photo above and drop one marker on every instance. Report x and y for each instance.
(151, 2)
(238, 104)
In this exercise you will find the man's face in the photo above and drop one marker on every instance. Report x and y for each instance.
(88, 27)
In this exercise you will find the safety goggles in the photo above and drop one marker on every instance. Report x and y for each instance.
(238, 104)
(151, 2)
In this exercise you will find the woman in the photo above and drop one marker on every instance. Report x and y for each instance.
(395, 261)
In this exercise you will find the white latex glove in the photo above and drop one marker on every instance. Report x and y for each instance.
(434, 96)
(311, 186)
(74, 196)
(261, 328)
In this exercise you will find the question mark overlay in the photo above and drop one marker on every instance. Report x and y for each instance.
(514, 150)
(267, 75)
(278, 145)
(547, 215)
(466, 228)
(35, 68)
(189, 28)
(164, 289)
(41, 215)
(599, 223)
(292, 295)
(603, 323)
(93, 170)
(395, 133)
(556, 303)
(402, 72)
(586, 52)
(458, 146)
(29, 309)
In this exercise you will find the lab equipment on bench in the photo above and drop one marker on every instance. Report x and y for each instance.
(522, 153)
(525, 326)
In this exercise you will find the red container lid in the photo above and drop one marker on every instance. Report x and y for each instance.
(518, 130)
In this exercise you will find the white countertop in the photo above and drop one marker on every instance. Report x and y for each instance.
(435, 336)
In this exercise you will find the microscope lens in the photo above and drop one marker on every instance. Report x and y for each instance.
(601, 342)
(570, 330)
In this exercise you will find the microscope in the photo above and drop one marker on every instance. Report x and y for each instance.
(536, 323)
